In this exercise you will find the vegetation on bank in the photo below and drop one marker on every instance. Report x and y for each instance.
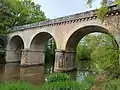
(62, 82)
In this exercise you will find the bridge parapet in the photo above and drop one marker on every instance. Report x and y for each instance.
(88, 15)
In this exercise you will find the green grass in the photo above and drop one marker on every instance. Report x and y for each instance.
(67, 85)
(60, 85)
(57, 77)
(17, 85)
(112, 85)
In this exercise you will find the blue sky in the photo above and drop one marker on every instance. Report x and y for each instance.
(59, 8)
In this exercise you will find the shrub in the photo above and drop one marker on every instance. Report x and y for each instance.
(61, 81)
(61, 77)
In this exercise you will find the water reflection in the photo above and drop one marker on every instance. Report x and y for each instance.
(13, 71)
(32, 74)
(36, 74)
(73, 74)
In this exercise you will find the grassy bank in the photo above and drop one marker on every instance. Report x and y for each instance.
(62, 82)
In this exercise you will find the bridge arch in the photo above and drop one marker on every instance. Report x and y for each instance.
(77, 35)
(14, 49)
(37, 47)
(65, 60)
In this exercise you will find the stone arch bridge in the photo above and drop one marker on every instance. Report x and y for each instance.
(26, 43)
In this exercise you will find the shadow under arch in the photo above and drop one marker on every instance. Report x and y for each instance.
(37, 47)
(2, 50)
(81, 32)
(14, 49)
(2, 43)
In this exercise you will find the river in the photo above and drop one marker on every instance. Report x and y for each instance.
(36, 74)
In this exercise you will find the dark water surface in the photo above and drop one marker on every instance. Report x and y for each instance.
(35, 74)
(13, 71)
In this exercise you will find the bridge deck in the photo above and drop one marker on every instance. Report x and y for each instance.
(65, 19)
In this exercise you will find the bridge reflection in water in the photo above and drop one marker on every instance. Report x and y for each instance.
(13, 71)
(35, 74)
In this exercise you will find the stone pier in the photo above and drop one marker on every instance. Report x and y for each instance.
(13, 55)
(32, 57)
(64, 61)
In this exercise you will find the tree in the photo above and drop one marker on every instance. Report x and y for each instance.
(104, 5)
(50, 54)
(103, 2)
(102, 51)
(19, 12)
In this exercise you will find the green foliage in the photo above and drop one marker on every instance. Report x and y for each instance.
(111, 85)
(101, 13)
(50, 50)
(71, 85)
(88, 82)
(57, 77)
(66, 85)
(105, 59)
(49, 55)
(17, 85)
(89, 3)
(87, 45)
(63, 82)
(102, 51)
(117, 2)
(18, 12)
(103, 10)
(83, 52)
(103, 2)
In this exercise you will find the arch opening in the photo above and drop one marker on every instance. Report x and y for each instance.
(42, 49)
(14, 49)
(2, 50)
(75, 38)
(80, 33)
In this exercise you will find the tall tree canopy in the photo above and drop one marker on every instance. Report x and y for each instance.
(19, 12)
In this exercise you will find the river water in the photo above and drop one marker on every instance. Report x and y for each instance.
(36, 74)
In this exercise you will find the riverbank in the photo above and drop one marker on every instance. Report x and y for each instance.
(72, 85)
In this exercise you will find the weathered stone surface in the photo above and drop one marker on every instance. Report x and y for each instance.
(32, 57)
(64, 61)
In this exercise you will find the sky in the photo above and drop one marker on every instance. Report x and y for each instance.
(60, 8)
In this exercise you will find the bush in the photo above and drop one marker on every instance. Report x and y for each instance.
(69, 85)
(61, 81)
(57, 77)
